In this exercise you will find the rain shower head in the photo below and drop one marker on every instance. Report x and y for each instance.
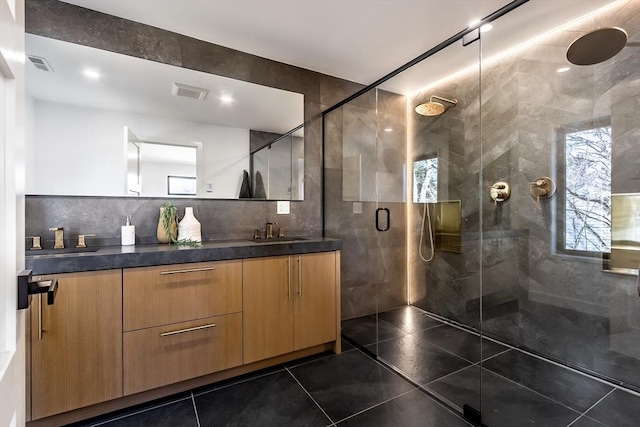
(597, 46)
(434, 108)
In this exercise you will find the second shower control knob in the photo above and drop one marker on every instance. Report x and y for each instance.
(499, 192)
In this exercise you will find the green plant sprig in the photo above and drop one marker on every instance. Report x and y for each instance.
(185, 242)
(169, 213)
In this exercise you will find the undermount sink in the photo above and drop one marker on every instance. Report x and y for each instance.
(279, 239)
(60, 251)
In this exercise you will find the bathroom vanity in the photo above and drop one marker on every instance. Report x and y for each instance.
(132, 324)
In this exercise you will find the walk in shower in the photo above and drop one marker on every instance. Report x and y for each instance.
(491, 242)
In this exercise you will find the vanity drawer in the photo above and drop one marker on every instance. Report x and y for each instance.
(163, 295)
(168, 354)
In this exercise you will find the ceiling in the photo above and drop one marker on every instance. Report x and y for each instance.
(134, 85)
(358, 40)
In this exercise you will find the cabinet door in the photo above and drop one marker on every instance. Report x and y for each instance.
(315, 303)
(76, 343)
(267, 297)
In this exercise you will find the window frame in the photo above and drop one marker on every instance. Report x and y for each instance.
(561, 179)
(432, 156)
(177, 179)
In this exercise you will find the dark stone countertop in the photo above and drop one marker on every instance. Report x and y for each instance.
(114, 257)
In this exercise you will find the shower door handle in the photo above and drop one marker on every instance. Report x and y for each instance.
(388, 222)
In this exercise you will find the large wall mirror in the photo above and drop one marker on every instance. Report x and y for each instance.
(105, 124)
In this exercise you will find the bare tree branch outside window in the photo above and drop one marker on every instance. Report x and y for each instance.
(425, 181)
(588, 190)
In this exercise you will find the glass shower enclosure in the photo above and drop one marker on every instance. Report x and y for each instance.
(491, 224)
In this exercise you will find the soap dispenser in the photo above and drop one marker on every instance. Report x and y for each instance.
(128, 236)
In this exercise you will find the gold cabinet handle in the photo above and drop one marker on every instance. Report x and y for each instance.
(299, 279)
(190, 270)
(182, 331)
(289, 278)
(40, 317)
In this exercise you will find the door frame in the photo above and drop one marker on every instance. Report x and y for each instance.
(12, 177)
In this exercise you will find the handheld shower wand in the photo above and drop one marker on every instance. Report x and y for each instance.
(427, 215)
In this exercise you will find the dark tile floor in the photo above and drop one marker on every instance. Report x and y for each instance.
(351, 389)
(512, 388)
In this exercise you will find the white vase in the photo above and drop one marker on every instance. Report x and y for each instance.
(189, 227)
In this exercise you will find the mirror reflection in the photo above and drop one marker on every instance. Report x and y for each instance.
(105, 124)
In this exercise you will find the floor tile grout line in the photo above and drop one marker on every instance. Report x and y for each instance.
(384, 365)
(311, 360)
(625, 390)
(141, 411)
(404, 334)
(462, 327)
(397, 371)
(495, 355)
(480, 363)
(444, 402)
(195, 408)
(533, 391)
(432, 394)
(310, 396)
(376, 405)
(447, 351)
(512, 347)
(449, 374)
(577, 371)
(430, 342)
(265, 374)
(584, 414)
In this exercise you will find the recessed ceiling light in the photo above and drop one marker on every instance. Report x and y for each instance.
(91, 73)
(226, 99)
(486, 27)
(563, 69)
(388, 129)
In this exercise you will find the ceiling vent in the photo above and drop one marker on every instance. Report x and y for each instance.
(40, 63)
(187, 91)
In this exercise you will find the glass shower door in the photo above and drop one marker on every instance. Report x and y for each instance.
(561, 255)
(364, 192)
(419, 317)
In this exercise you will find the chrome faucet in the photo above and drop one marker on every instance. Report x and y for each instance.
(59, 237)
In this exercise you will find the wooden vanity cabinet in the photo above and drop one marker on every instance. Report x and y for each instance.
(115, 338)
(76, 343)
(289, 303)
(180, 322)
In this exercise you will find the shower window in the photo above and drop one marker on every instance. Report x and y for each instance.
(587, 198)
(425, 180)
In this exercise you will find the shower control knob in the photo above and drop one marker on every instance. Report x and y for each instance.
(542, 188)
(499, 192)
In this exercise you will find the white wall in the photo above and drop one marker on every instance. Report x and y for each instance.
(93, 147)
(154, 176)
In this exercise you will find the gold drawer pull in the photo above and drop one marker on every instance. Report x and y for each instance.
(195, 328)
(190, 270)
